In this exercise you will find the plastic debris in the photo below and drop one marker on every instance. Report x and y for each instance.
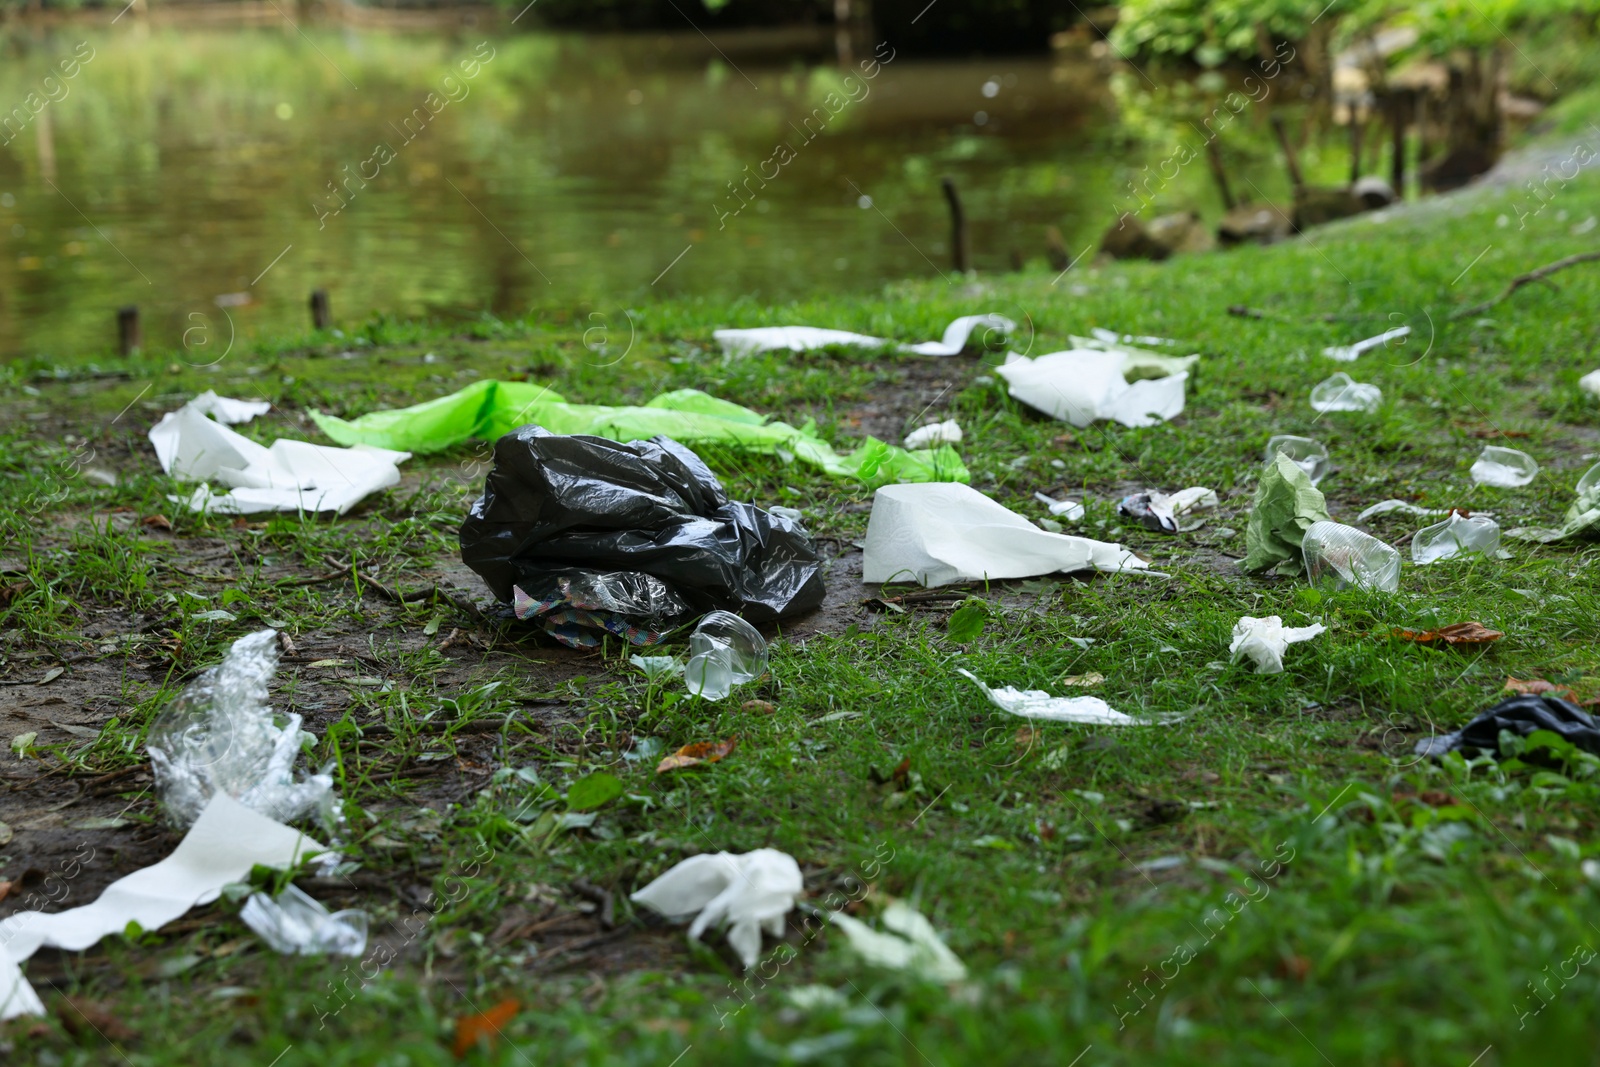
(1384, 507)
(558, 508)
(1286, 505)
(934, 434)
(939, 534)
(295, 924)
(579, 607)
(1159, 511)
(222, 846)
(1582, 515)
(289, 476)
(1521, 715)
(656, 668)
(1590, 383)
(1037, 704)
(1308, 454)
(749, 892)
(1263, 641)
(1070, 510)
(218, 736)
(1504, 468)
(488, 410)
(1347, 556)
(1136, 362)
(908, 942)
(724, 651)
(804, 338)
(1456, 535)
(1343, 393)
(1080, 386)
(1349, 353)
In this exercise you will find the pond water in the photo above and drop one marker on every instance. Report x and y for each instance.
(215, 175)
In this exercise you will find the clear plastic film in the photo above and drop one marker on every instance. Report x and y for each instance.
(1504, 468)
(1308, 454)
(296, 924)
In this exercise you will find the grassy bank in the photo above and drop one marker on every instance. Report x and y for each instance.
(1273, 879)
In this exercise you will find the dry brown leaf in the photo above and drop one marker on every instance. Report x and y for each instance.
(699, 752)
(1460, 633)
(1537, 687)
(158, 522)
(759, 706)
(5, 889)
(1092, 678)
(485, 1025)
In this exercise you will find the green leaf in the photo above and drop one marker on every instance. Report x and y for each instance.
(967, 621)
(593, 791)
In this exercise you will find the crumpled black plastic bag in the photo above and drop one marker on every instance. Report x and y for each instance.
(553, 504)
(1522, 715)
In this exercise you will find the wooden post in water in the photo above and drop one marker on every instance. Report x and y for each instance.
(1214, 157)
(130, 338)
(321, 317)
(1289, 160)
(1357, 132)
(958, 226)
(1397, 142)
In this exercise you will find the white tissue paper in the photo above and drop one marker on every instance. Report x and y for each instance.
(803, 338)
(911, 944)
(934, 434)
(1264, 641)
(1037, 704)
(750, 892)
(1349, 353)
(1590, 383)
(289, 476)
(226, 841)
(1070, 510)
(936, 533)
(296, 924)
(1081, 385)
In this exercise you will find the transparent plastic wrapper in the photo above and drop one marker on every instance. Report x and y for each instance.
(1455, 536)
(803, 338)
(724, 651)
(1308, 454)
(908, 942)
(1343, 393)
(1583, 514)
(1384, 507)
(1346, 556)
(1522, 715)
(935, 434)
(219, 735)
(1264, 641)
(750, 893)
(295, 924)
(1080, 386)
(1504, 468)
(1350, 353)
(578, 607)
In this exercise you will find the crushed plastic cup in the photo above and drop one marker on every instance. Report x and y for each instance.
(1504, 468)
(724, 651)
(1455, 536)
(1309, 455)
(1343, 393)
(1344, 556)
(296, 924)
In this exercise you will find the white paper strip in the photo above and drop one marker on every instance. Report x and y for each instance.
(803, 338)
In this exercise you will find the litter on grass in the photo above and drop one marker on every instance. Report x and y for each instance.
(1521, 715)
(804, 338)
(1163, 512)
(1264, 641)
(1457, 535)
(1037, 704)
(289, 476)
(1070, 510)
(1590, 383)
(1309, 455)
(1384, 507)
(724, 651)
(939, 534)
(934, 434)
(1582, 515)
(1343, 393)
(1345, 556)
(907, 942)
(1350, 353)
(750, 893)
(1286, 505)
(1081, 386)
(1504, 468)
(295, 924)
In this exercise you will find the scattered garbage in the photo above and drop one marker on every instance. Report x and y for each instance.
(1504, 468)
(695, 754)
(1263, 641)
(1136, 362)
(936, 534)
(584, 605)
(908, 942)
(1350, 353)
(1384, 507)
(1070, 510)
(804, 338)
(295, 924)
(561, 509)
(934, 434)
(224, 844)
(1158, 511)
(1582, 515)
(1521, 715)
(1286, 505)
(749, 892)
(1346, 556)
(1308, 454)
(1343, 393)
(1590, 383)
(1080, 386)
(1457, 535)
(1037, 704)
(289, 476)
(219, 736)
(724, 651)
(1458, 633)
(488, 410)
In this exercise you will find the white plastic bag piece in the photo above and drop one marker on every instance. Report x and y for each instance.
(1504, 468)
(1037, 704)
(910, 944)
(750, 893)
(1080, 386)
(1070, 510)
(219, 736)
(1309, 455)
(724, 651)
(934, 434)
(1590, 383)
(1349, 353)
(936, 533)
(225, 842)
(1263, 641)
(1350, 557)
(1384, 507)
(289, 476)
(1456, 535)
(1343, 393)
(295, 924)
(804, 338)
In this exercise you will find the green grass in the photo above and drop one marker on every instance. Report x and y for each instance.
(1397, 909)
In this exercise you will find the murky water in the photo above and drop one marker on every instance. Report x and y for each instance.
(214, 176)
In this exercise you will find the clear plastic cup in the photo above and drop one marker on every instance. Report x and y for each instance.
(1343, 555)
(1343, 393)
(1455, 536)
(1504, 468)
(1309, 455)
(724, 651)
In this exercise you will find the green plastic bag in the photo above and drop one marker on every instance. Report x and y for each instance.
(1286, 505)
(487, 410)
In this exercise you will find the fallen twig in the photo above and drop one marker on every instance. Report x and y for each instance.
(1525, 279)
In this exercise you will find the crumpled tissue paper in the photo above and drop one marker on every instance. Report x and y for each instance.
(749, 892)
(934, 434)
(1037, 704)
(1080, 386)
(908, 943)
(1263, 641)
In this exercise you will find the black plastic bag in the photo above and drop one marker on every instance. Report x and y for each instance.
(1522, 715)
(554, 505)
